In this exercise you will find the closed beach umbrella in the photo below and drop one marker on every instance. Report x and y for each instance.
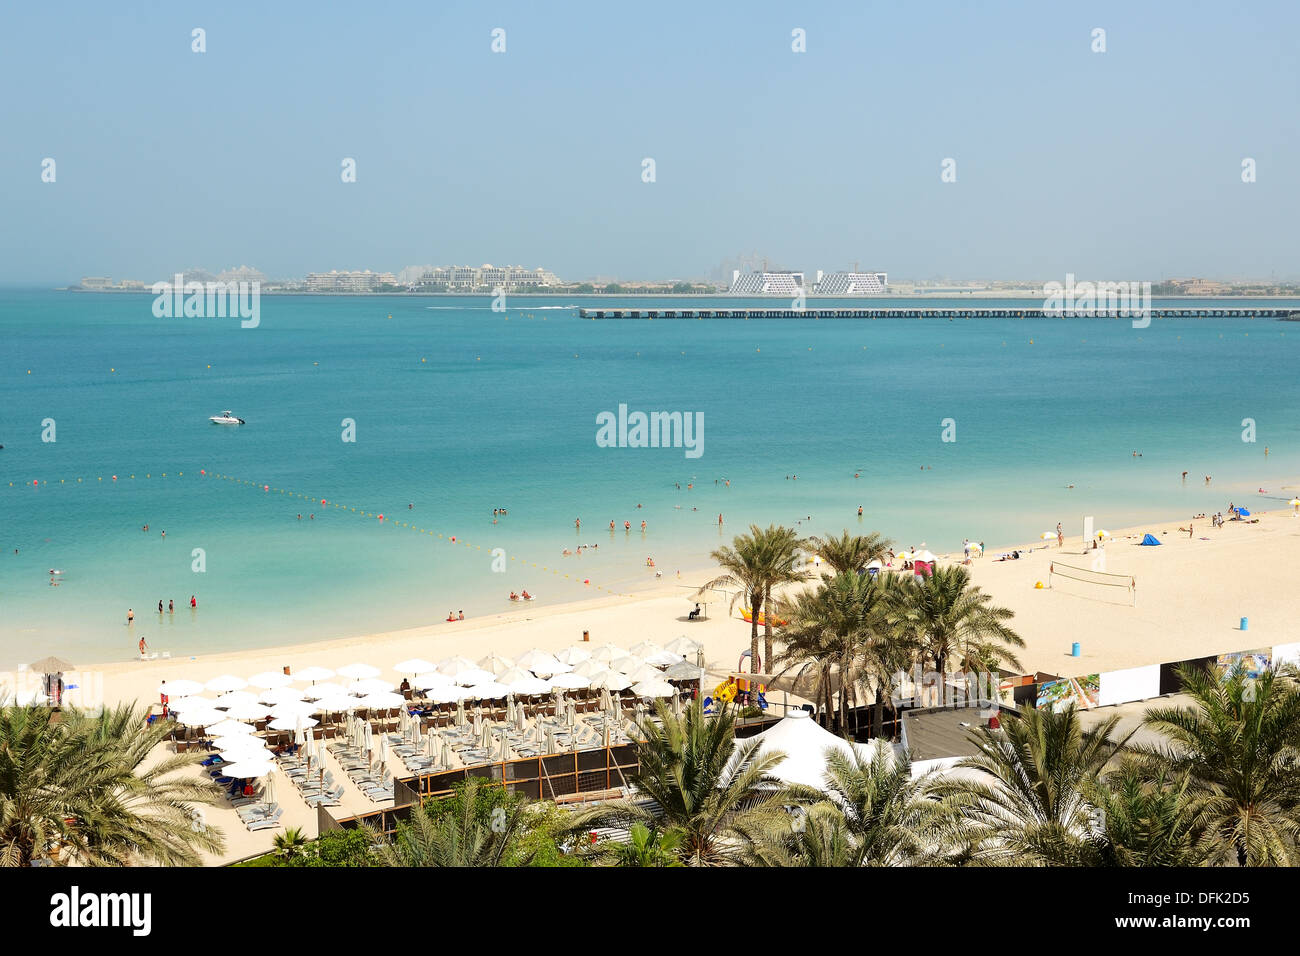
(177, 688)
(314, 674)
(573, 656)
(358, 671)
(226, 682)
(446, 754)
(496, 664)
(654, 688)
(268, 680)
(323, 690)
(430, 742)
(460, 712)
(572, 681)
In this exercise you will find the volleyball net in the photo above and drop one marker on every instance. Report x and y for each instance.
(1091, 583)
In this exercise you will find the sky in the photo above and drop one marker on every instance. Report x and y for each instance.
(1122, 165)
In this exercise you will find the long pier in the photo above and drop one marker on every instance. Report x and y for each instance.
(906, 313)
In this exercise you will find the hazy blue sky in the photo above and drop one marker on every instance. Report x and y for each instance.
(1119, 165)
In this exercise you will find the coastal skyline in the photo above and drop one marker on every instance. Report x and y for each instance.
(828, 156)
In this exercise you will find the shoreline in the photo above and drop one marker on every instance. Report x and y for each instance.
(659, 613)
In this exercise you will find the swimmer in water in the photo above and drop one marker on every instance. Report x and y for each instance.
(643, 527)
(719, 520)
(859, 511)
(577, 523)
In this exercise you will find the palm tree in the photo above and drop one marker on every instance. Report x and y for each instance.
(84, 787)
(818, 837)
(851, 552)
(780, 545)
(950, 615)
(1030, 802)
(714, 789)
(1239, 742)
(647, 847)
(1151, 819)
(891, 817)
(461, 835)
(289, 844)
(742, 565)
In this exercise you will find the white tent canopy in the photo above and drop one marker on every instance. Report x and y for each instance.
(804, 743)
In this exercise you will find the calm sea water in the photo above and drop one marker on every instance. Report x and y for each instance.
(460, 410)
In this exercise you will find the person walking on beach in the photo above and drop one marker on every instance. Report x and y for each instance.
(143, 647)
(1060, 536)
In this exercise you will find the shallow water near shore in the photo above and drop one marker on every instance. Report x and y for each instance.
(459, 410)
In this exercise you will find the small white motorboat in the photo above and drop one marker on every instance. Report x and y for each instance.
(226, 418)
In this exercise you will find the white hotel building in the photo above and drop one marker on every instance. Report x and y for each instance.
(335, 281)
(786, 284)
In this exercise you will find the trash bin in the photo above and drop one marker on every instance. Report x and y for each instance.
(586, 635)
(1245, 624)
(1074, 649)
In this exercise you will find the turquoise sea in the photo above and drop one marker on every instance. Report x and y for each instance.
(459, 410)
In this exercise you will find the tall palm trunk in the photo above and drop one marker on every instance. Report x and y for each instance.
(767, 628)
(755, 610)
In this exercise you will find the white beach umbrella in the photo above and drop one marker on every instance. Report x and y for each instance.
(526, 659)
(181, 688)
(323, 690)
(1047, 535)
(335, 704)
(644, 649)
(195, 702)
(314, 674)
(412, 666)
(248, 741)
(296, 722)
(530, 687)
(234, 697)
(381, 701)
(226, 682)
(447, 694)
(474, 675)
(588, 667)
(227, 728)
(608, 652)
(514, 674)
(247, 711)
(452, 666)
(488, 690)
(644, 672)
(546, 665)
(293, 708)
(358, 671)
(683, 646)
(268, 680)
(684, 670)
(611, 680)
(926, 556)
(247, 769)
(432, 679)
(280, 695)
(246, 755)
(654, 688)
(574, 655)
(663, 659)
(201, 717)
(370, 685)
(495, 663)
(570, 681)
